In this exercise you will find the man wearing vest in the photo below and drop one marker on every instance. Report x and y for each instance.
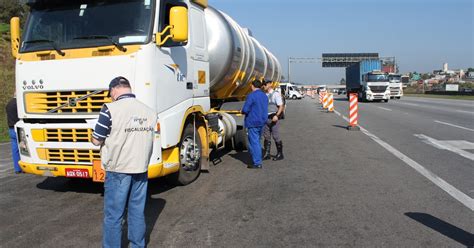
(126, 147)
(272, 126)
(255, 110)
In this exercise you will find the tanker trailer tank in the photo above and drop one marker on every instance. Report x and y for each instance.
(235, 58)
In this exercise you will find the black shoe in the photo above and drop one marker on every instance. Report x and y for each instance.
(254, 166)
(279, 155)
(18, 172)
(267, 144)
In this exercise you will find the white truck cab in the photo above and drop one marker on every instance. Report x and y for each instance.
(396, 87)
(376, 86)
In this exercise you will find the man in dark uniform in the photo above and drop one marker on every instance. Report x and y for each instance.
(12, 118)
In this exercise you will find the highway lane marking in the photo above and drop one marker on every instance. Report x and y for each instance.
(5, 170)
(410, 104)
(437, 108)
(441, 183)
(456, 146)
(449, 124)
(462, 111)
(384, 108)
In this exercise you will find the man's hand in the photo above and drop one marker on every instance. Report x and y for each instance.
(97, 142)
(275, 118)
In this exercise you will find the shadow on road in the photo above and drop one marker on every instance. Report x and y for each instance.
(340, 126)
(448, 230)
(243, 157)
(62, 184)
(153, 209)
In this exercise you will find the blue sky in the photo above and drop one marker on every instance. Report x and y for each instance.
(421, 34)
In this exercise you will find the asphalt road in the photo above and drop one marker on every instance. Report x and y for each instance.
(336, 188)
(437, 133)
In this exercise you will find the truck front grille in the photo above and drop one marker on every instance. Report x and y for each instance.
(378, 89)
(84, 156)
(68, 135)
(47, 102)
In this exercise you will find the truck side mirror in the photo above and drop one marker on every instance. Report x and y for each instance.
(178, 28)
(15, 35)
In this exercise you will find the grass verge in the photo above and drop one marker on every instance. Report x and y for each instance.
(4, 28)
(471, 98)
(7, 71)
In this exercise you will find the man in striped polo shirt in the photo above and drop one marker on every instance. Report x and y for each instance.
(126, 148)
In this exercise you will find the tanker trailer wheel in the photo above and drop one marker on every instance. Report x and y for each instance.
(190, 151)
(240, 140)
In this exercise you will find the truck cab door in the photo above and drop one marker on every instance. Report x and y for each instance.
(198, 73)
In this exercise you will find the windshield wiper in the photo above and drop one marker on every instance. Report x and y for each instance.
(104, 37)
(52, 43)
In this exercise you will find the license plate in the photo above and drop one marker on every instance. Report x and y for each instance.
(80, 173)
(98, 174)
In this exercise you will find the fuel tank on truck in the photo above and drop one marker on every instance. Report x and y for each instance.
(235, 57)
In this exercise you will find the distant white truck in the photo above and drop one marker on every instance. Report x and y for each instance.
(396, 86)
(290, 91)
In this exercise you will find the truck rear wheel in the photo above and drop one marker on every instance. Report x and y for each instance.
(190, 150)
(240, 140)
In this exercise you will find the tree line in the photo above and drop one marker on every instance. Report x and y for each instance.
(11, 8)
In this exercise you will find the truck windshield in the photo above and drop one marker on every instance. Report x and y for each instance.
(75, 24)
(394, 78)
(377, 78)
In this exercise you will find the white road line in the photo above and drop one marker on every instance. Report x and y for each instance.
(6, 169)
(445, 146)
(449, 124)
(4, 144)
(448, 188)
(462, 111)
(410, 104)
(384, 108)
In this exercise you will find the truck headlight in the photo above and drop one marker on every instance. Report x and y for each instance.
(22, 142)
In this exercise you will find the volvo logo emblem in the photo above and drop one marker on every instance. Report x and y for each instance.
(72, 102)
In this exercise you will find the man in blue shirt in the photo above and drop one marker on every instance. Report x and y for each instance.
(256, 114)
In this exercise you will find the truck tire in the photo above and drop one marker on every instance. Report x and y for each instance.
(240, 140)
(294, 97)
(189, 158)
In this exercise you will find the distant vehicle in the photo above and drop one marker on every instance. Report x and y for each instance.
(341, 92)
(367, 80)
(290, 91)
(396, 88)
(405, 79)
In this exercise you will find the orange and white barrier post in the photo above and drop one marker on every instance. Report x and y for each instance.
(353, 112)
(321, 97)
(330, 103)
(325, 100)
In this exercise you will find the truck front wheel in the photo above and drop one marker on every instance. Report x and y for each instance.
(190, 150)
